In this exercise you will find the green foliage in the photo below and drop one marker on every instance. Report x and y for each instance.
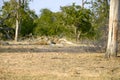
(72, 21)
(50, 24)
(80, 18)
(7, 8)
(26, 16)
(27, 24)
(100, 9)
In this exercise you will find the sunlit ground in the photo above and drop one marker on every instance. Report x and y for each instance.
(58, 66)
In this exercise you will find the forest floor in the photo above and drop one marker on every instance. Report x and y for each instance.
(48, 62)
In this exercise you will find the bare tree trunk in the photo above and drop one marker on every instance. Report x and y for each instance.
(114, 23)
(77, 34)
(17, 27)
(17, 21)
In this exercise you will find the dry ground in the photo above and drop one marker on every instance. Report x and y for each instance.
(33, 62)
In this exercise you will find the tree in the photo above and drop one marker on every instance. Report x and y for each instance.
(28, 24)
(5, 25)
(79, 18)
(18, 6)
(50, 24)
(100, 20)
(19, 14)
(6, 31)
(17, 21)
(100, 8)
(114, 23)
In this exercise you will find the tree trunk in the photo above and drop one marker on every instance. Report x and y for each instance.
(18, 21)
(114, 23)
(77, 34)
(17, 27)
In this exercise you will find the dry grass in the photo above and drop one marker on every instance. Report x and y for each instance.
(23, 61)
(58, 66)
